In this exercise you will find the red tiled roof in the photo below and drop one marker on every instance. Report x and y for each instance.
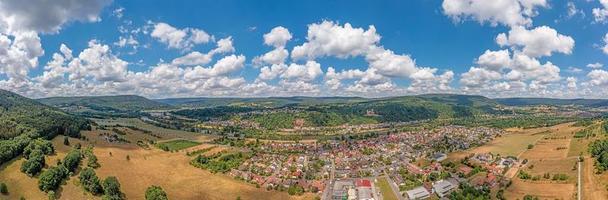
(364, 183)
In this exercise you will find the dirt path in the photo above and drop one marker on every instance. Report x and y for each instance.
(592, 188)
(579, 191)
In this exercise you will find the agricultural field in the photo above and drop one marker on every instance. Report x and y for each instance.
(578, 145)
(163, 133)
(176, 145)
(514, 143)
(554, 145)
(547, 158)
(520, 188)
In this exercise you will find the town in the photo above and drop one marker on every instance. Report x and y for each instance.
(410, 161)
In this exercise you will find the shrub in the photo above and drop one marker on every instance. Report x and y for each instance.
(111, 189)
(156, 193)
(43, 145)
(90, 181)
(524, 175)
(92, 162)
(3, 188)
(72, 160)
(51, 179)
(52, 195)
(34, 164)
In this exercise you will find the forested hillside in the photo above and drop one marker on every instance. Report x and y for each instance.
(555, 102)
(257, 102)
(120, 103)
(338, 111)
(22, 119)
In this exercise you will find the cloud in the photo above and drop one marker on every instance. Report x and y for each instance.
(540, 41)
(494, 60)
(605, 47)
(222, 67)
(598, 77)
(571, 83)
(387, 63)
(432, 84)
(197, 58)
(334, 79)
(193, 58)
(506, 12)
(129, 41)
(98, 62)
(515, 72)
(179, 38)
(20, 24)
(272, 72)
(19, 55)
(274, 57)
(574, 70)
(478, 77)
(93, 70)
(306, 73)
(572, 10)
(517, 69)
(118, 12)
(600, 15)
(277, 37)
(43, 16)
(96, 71)
(330, 39)
(528, 68)
(595, 65)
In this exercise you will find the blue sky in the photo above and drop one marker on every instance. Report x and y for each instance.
(422, 29)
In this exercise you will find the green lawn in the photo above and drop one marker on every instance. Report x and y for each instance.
(385, 189)
(176, 145)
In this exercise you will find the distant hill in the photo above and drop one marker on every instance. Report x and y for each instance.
(20, 115)
(333, 111)
(550, 101)
(256, 102)
(120, 103)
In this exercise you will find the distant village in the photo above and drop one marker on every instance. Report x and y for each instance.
(410, 161)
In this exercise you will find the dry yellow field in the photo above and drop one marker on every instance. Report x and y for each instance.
(521, 188)
(554, 166)
(516, 141)
(548, 155)
(548, 149)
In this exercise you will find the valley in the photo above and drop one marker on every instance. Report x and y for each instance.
(293, 156)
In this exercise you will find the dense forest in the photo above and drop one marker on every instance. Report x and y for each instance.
(207, 114)
(23, 119)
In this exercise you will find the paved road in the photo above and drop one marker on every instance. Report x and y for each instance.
(329, 183)
(395, 188)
